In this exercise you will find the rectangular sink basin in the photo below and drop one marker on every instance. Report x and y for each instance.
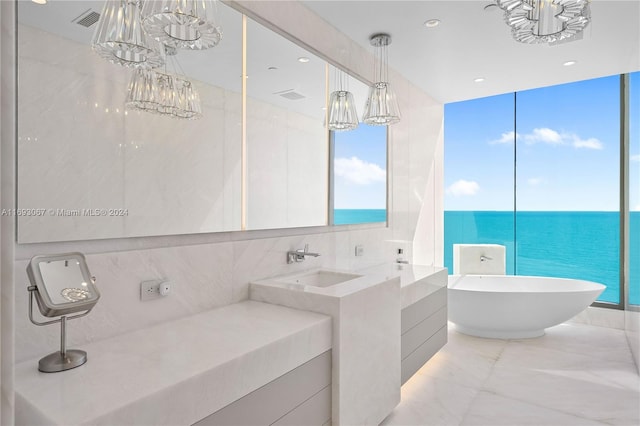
(320, 278)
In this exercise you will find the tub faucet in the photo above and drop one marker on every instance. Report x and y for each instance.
(300, 254)
(484, 258)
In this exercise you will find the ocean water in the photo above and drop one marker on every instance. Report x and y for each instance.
(583, 245)
(351, 216)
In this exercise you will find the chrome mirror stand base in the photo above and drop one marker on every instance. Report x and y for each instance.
(56, 361)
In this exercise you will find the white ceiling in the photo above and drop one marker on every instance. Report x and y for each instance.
(443, 61)
(471, 43)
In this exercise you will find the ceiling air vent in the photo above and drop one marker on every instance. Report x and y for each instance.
(290, 94)
(87, 18)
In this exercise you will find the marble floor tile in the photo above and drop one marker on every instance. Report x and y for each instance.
(464, 360)
(431, 401)
(571, 395)
(579, 339)
(496, 410)
(574, 375)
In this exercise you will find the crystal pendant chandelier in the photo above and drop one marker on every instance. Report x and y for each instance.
(163, 93)
(545, 21)
(119, 37)
(186, 24)
(382, 106)
(342, 108)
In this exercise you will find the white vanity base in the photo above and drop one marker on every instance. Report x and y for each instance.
(424, 312)
(366, 340)
(174, 373)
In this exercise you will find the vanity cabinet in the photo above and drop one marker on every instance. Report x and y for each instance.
(423, 331)
(423, 315)
(301, 396)
(248, 363)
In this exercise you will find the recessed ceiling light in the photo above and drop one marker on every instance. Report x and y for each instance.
(303, 59)
(569, 63)
(39, 1)
(478, 80)
(431, 23)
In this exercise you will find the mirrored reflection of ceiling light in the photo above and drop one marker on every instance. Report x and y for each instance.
(303, 59)
(39, 1)
(478, 80)
(163, 94)
(569, 63)
(545, 21)
(119, 37)
(342, 107)
(431, 23)
(381, 108)
(185, 24)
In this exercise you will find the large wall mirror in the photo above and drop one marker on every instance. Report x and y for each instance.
(89, 168)
(287, 140)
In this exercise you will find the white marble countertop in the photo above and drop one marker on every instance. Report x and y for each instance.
(174, 373)
(416, 281)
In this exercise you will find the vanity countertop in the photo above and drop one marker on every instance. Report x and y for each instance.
(416, 281)
(176, 372)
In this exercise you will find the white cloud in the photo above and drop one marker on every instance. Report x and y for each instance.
(504, 138)
(591, 143)
(549, 136)
(544, 135)
(463, 187)
(358, 171)
(635, 157)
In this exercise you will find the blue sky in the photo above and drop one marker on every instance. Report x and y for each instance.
(567, 149)
(360, 168)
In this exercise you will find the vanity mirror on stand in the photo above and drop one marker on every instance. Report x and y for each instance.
(62, 285)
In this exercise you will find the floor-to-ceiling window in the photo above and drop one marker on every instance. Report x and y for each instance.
(479, 175)
(568, 174)
(634, 189)
(558, 179)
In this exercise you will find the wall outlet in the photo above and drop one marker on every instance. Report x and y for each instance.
(359, 250)
(154, 289)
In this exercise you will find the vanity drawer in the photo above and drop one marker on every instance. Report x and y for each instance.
(424, 331)
(302, 394)
(413, 314)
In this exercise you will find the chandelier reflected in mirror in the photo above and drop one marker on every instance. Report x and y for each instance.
(119, 37)
(381, 108)
(545, 21)
(342, 108)
(164, 93)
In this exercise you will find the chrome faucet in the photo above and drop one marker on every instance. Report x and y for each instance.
(484, 258)
(299, 255)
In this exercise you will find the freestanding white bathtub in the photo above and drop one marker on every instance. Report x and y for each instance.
(515, 307)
